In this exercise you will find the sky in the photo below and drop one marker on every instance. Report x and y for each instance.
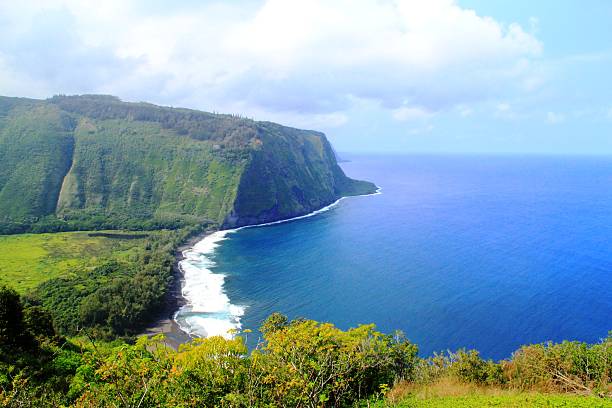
(436, 76)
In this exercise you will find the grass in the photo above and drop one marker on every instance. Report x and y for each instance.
(509, 401)
(448, 393)
(29, 259)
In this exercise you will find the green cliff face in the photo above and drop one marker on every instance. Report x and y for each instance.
(96, 162)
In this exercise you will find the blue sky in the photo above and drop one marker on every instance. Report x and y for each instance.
(466, 76)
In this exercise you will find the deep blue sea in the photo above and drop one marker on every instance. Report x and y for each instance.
(486, 252)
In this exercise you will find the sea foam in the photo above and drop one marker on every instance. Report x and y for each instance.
(208, 311)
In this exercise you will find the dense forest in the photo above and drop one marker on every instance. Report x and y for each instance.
(93, 162)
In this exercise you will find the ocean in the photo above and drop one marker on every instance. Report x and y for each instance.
(485, 252)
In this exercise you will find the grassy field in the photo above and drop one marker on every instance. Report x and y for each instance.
(447, 393)
(509, 401)
(27, 260)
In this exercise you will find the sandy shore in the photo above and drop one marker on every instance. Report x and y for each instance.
(173, 334)
(165, 324)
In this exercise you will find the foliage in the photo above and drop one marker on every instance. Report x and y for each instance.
(36, 365)
(567, 367)
(306, 363)
(293, 173)
(14, 335)
(301, 364)
(465, 366)
(35, 150)
(563, 367)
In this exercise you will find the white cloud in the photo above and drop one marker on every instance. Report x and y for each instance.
(554, 118)
(311, 121)
(288, 57)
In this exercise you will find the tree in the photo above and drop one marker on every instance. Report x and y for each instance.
(14, 335)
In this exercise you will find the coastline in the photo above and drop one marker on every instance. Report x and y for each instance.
(166, 324)
(310, 214)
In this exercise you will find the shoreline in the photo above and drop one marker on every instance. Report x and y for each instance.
(166, 324)
(310, 214)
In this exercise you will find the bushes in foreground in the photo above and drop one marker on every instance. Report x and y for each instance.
(36, 365)
(300, 364)
(550, 367)
(566, 367)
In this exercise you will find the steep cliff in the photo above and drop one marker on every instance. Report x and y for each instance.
(97, 162)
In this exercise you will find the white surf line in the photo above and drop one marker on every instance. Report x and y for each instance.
(209, 311)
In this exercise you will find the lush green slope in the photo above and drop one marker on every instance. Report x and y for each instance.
(35, 153)
(91, 162)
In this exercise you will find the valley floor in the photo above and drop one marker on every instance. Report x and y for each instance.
(27, 260)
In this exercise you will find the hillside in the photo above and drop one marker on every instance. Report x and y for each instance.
(93, 161)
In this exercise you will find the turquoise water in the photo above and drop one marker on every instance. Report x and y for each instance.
(457, 251)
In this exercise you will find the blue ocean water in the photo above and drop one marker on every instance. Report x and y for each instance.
(486, 252)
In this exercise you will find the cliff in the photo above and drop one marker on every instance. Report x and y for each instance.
(93, 161)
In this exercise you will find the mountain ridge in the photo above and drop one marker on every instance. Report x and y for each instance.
(94, 161)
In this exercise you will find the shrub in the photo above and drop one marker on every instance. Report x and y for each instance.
(300, 364)
(567, 366)
(465, 366)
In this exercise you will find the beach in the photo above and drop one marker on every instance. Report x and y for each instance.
(165, 324)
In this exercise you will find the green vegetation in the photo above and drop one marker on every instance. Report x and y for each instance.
(293, 173)
(29, 259)
(451, 392)
(35, 150)
(118, 296)
(542, 375)
(94, 162)
(111, 284)
(106, 295)
(518, 400)
(301, 363)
